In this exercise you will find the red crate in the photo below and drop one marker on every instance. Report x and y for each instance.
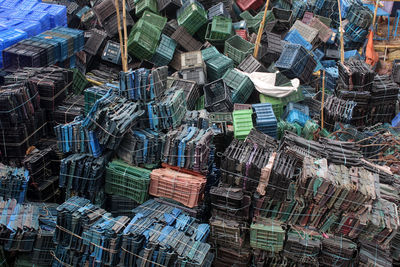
(249, 4)
(243, 34)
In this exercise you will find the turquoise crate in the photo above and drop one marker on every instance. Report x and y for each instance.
(165, 51)
(216, 67)
(192, 17)
(241, 85)
(221, 28)
(238, 49)
(242, 123)
(210, 53)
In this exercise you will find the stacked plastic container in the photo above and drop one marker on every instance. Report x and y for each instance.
(265, 119)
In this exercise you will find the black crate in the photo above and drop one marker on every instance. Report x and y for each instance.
(169, 7)
(182, 37)
(250, 64)
(217, 97)
(104, 10)
(170, 27)
(19, 56)
(94, 43)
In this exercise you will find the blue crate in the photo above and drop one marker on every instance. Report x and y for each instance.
(292, 60)
(10, 37)
(79, 38)
(10, 4)
(32, 28)
(42, 17)
(352, 53)
(63, 43)
(396, 121)
(58, 15)
(72, 62)
(294, 37)
(56, 46)
(28, 4)
(356, 34)
(266, 121)
(328, 63)
(40, 7)
(296, 116)
(296, 106)
(4, 13)
(331, 76)
(318, 54)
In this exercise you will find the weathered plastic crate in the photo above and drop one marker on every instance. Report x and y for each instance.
(217, 97)
(293, 59)
(157, 21)
(250, 65)
(268, 236)
(221, 28)
(164, 52)
(309, 34)
(192, 59)
(249, 4)
(195, 74)
(176, 60)
(210, 53)
(295, 37)
(143, 5)
(243, 33)
(242, 123)
(96, 40)
(170, 27)
(217, 66)
(112, 53)
(191, 90)
(237, 48)
(324, 32)
(241, 85)
(308, 16)
(218, 10)
(143, 40)
(80, 82)
(192, 17)
(182, 37)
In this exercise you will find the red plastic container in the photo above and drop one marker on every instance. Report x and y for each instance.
(243, 34)
(249, 4)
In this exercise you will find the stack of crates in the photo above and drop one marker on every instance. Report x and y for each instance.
(143, 40)
(240, 85)
(242, 123)
(268, 236)
(8, 38)
(125, 180)
(265, 119)
(278, 104)
(193, 67)
(192, 16)
(92, 94)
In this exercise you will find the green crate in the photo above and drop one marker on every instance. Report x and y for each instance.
(217, 66)
(238, 48)
(143, 40)
(221, 28)
(215, 42)
(164, 52)
(154, 19)
(210, 53)
(242, 123)
(192, 18)
(290, 127)
(253, 23)
(142, 5)
(125, 180)
(216, 117)
(241, 85)
(79, 82)
(200, 103)
(268, 236)
(277, 104)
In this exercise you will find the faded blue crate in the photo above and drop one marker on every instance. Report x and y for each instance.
(63, 45)
(328, 63)
(396, 121)
(58, 15)
(40, 7)
(351, 53)
(318, 54)
(32, 28)
(266, 121)
(164, 52)
(296, 106)
(295, 37)
(78, 35)
(72, 62)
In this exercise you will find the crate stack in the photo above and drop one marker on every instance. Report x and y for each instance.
(193, 67)
(384, 96)
(360, 19)
(14, 183)
(265, 120)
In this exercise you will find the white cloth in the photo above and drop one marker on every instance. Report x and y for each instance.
(265, 84)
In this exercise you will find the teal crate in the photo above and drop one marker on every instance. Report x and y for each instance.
(238, 49)
(154, 19)
(253, 23)
(143, 40)
(241, 85)
(79, 82)
(216, 67)
(192, 17)
(142, 5)
(242, 123)
(165, 51)
(221, 28)
(210, 53)
(216, 42)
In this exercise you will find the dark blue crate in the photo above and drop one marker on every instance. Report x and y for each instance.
(318, 54)
(32, 28)
(78, 35)
(63, 43)
(295, 37)
(266, 121)
(42, 17)
(58, 15)
(72, 62)
(55, 49)
(292, 60)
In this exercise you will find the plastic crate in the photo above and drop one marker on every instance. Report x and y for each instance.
(170, 27)
(265, 119)
(143, 40)
(241, 85)
(195, 74)
(237, 48)
(154, 19)
(242, 123)
(218, 10)
(296, 116)
(142, 5)
(51, 48)
(276, 103)
(221, 28)
(308, 16)
(39, 16)
(127, 181)
(164, 52)
(217, 97)
(190, 89)
(217, 66)
(210, 53)
(61, 42)
(292, 61)
(308, 70)
(58, 15)
(78, 35)
(192, 17)
(308, 33)
(216, 42)
(250, 65)
(249, 4)
(295, 37)
(32, 28)
(20, 56)
(79, 83)
(324, 32)
(396, 121)
(168, 6)
(95, 41)
(182, 37)
(243, 33)
(253, 23)
(192, 59)
(112, 53)
(283, 15)
(267, 236)
(396, 70)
